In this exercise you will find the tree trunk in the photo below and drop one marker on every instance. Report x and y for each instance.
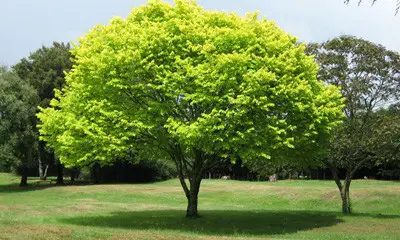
(60, 171)
(24, 177)
(74, 173)
(345, 194)
(346, 206)
(24, 181)
(195, 177)
(194, 171)
(41, 173)
(95, 173)
(344, 190)
(60, 174)
(193, 197)
(45, 172)
(191, 211)
(24, 168)
(42, 153)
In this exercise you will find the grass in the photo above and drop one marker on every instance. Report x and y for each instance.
(229, 209)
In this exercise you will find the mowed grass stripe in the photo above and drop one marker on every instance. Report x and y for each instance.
(230, 209)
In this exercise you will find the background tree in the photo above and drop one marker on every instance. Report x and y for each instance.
(368, 77)
(18, 101)
(387, 141)
(191, 86)
(45, 70)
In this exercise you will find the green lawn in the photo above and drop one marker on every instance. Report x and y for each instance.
(229, 209)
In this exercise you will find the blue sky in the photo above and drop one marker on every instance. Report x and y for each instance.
(26, 25)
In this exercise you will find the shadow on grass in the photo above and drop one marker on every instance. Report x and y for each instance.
(37, 185)
(218, 222)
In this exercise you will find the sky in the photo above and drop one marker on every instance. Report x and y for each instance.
(26, 25)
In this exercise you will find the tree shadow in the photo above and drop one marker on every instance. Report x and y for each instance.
(39, 185)
(373, 215)
(218, 222)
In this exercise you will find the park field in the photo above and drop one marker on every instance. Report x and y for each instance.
(230, 210)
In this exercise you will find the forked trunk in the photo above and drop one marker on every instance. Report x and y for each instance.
(194, 172)
(345, 194)
(344, 189)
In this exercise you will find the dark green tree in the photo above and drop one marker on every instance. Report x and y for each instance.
(18, 104)
(45, 70)
(387, 141)
(368, 76)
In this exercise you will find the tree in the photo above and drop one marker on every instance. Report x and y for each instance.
(45, 70)
(387, 140)
(17, 118)
(368, 76)
(191, 86)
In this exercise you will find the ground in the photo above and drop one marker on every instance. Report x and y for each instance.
(302, 209)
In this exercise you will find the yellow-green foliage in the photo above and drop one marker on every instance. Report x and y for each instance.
(171, 75)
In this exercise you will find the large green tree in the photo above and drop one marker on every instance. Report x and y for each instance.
(369, 78)
(191, 86)
(18, 102)
(45, 70)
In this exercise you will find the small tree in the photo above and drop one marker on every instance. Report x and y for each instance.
(45, 70)
(188, 85)
(368, 76)
(17, 120)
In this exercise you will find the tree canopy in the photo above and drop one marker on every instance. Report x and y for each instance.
(369, 78)
(44, 70)
(181, 83)
(17, 121)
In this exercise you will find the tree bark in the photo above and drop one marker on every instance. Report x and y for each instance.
(60, 174)
(196, 175)
(194, 171)
(60, 171)
(95, 173)
(45, 172)
(346, 205)
(41, 173)
(24, 168)
(345, 193)
(191, 211)
(42, 153)
(344, 190)
(74, 173)
(24, 177)
(195, 181)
